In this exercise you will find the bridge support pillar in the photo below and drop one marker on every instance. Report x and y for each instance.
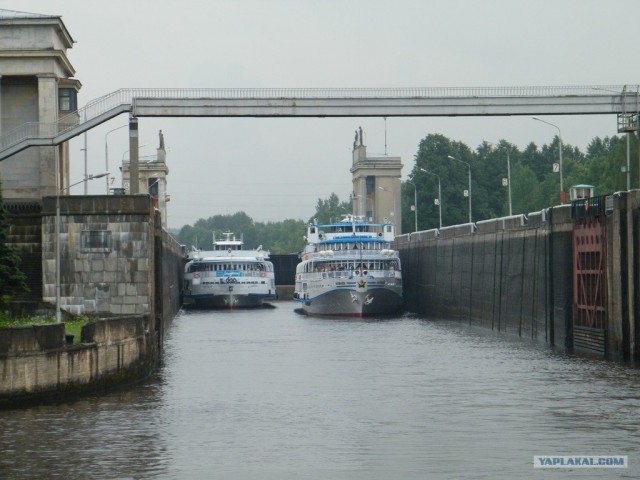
(133, 156)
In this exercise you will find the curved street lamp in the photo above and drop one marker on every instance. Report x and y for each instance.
(560, 155)
(385, 189)
(469, 166)
(58, 192)
(106, 151)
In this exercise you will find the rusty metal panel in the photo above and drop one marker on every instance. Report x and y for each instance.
(589, 284)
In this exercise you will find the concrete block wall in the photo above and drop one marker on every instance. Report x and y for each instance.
(114, 280)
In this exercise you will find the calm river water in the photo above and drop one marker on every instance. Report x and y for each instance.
(271, 394)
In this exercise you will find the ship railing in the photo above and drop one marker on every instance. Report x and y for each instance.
(233, 273)
(349, 274)
(351, 254)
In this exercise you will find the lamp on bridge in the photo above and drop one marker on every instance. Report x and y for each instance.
(562, 195)
(58, 192)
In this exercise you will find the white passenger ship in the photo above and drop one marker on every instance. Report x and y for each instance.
(349, 269)
(228, 276)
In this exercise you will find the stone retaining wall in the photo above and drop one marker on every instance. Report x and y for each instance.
(37, 364)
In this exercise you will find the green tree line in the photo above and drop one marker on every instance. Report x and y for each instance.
(534, 184)
(282, 237)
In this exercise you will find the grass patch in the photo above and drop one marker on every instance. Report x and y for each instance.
(71, 326)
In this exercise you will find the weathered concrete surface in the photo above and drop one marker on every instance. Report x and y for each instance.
(37, 365)
(515, 275)
(501, 276)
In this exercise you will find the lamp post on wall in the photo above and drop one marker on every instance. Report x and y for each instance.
(469, 167)
(415, 205)
(508, 178)
(366, 205)
(509, 181)
(562, 196)
(58, 192)
(385, 189)
(439, 192)
(106, 151)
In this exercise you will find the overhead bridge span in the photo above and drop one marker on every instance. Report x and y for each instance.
(623, 101)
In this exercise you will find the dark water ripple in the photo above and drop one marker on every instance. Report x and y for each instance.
(271, 394)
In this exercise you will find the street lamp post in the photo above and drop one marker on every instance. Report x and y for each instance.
(562, 196)
(415, 205)
(509, 181)
(468, 166)
(58, 192)
(385, 189)
(439, 193)
(106, 151)
(508, 178)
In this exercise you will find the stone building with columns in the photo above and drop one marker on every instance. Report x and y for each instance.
(152, 178)
(376, 185)
(81, 254)
(36, 89)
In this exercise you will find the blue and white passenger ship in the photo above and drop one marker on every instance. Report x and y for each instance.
(348, 268)
(228, 276)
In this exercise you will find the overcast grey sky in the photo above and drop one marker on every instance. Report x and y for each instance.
(275, 169)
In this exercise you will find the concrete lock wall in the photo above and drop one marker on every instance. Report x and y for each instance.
(107, 254)
(516, 275)
(623, 276)
(36, 363)
(169, 271)
(136, 251)
(512, 275)
(126, 263)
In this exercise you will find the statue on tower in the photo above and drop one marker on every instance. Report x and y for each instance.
(161, 140)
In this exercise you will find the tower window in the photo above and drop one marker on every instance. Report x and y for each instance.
(153, 186)
(371, 184)
(67, 100)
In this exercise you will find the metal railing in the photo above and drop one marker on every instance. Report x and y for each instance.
(588, 207)
(127, 98)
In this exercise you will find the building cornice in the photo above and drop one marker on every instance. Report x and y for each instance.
(39, 21)
(57, 55)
